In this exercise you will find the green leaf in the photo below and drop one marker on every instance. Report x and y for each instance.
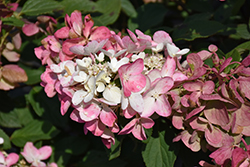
(96, 158)
(199, 16)
(148, 132)
(197, 29)
(37, 7)
(9, 120)
(209, 62)
(128, 8)
(236, 5)
(34, 103)
(161, 151)
(43, 108)
(12, 21)
(6, 145)
(34, 131)
(240, 48)
(24, 115)
(81, 5)
(158, 153)
(148, 16)
(242, 31)
(110, 10)
(115, 149)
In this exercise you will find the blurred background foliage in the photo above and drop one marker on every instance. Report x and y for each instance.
(27, 114)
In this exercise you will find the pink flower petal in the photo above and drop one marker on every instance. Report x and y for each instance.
(149, 103)
(208, 87)
(100, 33)
(132, 35)
(213, 97)
(129, 44)
(11, 56)
(14, 74)
(76, 20)
(195, 60)
(141, 35)
(65, 104)
(129, 112)
(45, 152)
(77, 49)
(195, 111)
(233, 85)
(169, 67)
(238, 156)
(96, 127)
(194, 146)
(164, 85)
(225, 64)
(139, 132)
(17, 40)
(38, 164)
(128, 128)
(154, 74)
(107, 116)
(62, 33)
(192, 86)
(162, 107)
(212, 48)
(136, 102)
(244, 86)
(243, 115)
(204, 54)
(13, 6)
(136, 83)
(108, 138)
(76, 117)
(12, 159)
(246, 61)
(162, 37)
(178, 76)
(136, 67)
(30, 29)
(177, 121)
(53, 164)
(89, 112)
(88, 24)
(214, 137)
(216, 113)
(222, 154)
(147, 122)
(199, 123)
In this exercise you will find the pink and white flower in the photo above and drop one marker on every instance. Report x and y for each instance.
(9, 160)
(35, 156)
(155, 99)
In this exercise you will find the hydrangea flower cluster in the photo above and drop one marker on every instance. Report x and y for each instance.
(102, 74)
